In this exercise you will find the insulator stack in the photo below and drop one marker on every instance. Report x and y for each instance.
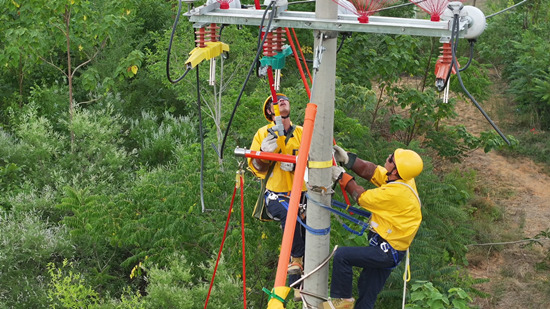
(200, 38)
(443, 66)
(211, 33)
(269, 45)
(279, 39)
(446, 54)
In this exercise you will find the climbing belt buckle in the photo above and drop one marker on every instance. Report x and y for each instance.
(272, 196)
(302, 211)
(385, 247)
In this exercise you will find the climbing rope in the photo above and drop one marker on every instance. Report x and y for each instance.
(239, 183)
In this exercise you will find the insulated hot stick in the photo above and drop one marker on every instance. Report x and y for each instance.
(243, 152)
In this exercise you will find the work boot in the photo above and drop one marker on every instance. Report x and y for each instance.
(337, 303)
(296, 266)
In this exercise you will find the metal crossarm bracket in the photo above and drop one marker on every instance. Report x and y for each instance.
(306, 20)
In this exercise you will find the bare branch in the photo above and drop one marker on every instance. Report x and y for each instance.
(92, 58)
(86, 102)
(53, 65)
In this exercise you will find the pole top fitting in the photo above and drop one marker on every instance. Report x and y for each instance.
(455, 7)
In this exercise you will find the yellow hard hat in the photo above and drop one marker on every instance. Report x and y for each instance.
(267, 116)
(408, 163)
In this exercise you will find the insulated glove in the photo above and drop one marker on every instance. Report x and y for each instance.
(337, 172)
(340, 155)
(269, 144)
(287, 166)
(346, 158)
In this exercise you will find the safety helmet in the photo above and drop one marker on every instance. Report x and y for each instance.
(408, 163)
(267, 116)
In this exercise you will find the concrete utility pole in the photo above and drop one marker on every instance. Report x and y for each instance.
(319, 179)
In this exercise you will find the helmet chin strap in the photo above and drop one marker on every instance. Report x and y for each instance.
(285, 117)
(390, 173)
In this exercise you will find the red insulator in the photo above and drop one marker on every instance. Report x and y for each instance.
(269, 45)
(212, 36)
(200, 41)
(443, 64)
(279, 39)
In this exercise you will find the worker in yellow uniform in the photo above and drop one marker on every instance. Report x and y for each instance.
(280, 175)
(395, 219)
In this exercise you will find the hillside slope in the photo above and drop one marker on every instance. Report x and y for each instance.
(518, 192)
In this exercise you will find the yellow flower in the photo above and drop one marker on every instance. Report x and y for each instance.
(85, 17)
(80, 48)
(128, 12)
(264, 236)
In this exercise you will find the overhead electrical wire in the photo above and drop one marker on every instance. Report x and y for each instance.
(202, 140)
(258, 52)
(472, 43)
(170, 49)
(454, 63)
(506, 9)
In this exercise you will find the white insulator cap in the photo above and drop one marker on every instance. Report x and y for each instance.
(472, 20)
(476, 21)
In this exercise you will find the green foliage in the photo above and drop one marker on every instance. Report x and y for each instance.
(422, 110)
(28, 244)
(156, 139)
(69, 289)
(455, 142)
(539, 145)
(177, 287)
(425, 295)
(524, 31)
(127, 186)
(382, 58)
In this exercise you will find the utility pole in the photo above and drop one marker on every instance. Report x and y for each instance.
(319, 179)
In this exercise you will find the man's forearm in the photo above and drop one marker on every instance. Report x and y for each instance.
(364, 169)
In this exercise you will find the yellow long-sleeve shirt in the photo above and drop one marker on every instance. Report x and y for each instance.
(395, 208)
(279, 180)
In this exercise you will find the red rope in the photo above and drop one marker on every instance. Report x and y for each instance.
(302, 54)
(242, 234)
(223, 241)
(306, 85)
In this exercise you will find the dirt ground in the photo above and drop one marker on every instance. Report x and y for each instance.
(518, 187)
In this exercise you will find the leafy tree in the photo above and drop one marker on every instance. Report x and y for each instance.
(77, 29)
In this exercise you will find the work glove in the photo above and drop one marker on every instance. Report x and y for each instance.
(287, 166)
(346, 158)
(337, 172)
(340, 155)
(269, 144)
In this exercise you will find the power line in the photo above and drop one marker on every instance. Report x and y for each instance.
(500, 12)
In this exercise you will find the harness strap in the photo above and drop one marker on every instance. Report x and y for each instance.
(363, 225)
(413, 191)
(313, 231)
(376, 241)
